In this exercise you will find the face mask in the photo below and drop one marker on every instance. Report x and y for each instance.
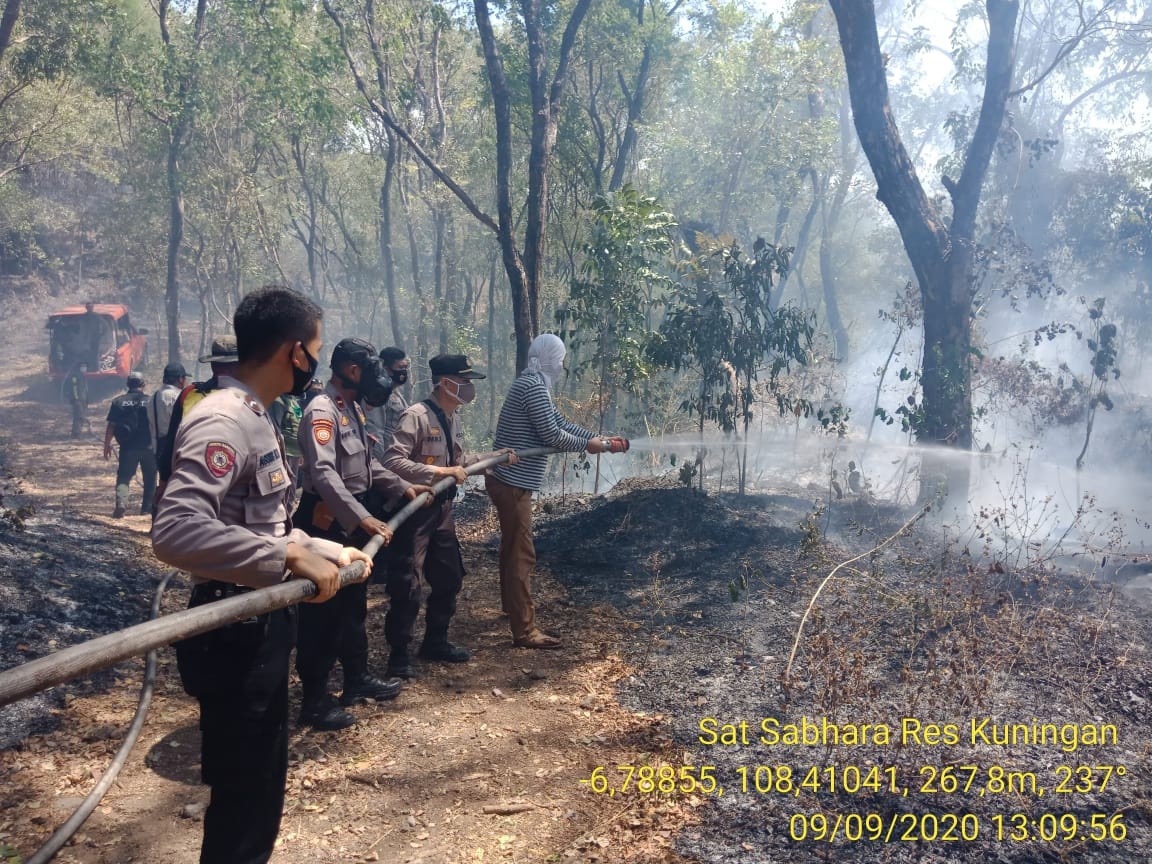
(374, 386)
(399, 377)
(464, 393)
(301, 378)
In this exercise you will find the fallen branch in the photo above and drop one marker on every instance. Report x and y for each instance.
(507, 809)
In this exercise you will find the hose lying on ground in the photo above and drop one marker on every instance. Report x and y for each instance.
(105, 651)
(64, 833)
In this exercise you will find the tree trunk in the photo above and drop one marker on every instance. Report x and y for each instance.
(8, 24)
(525, 270)
(940, 255)
(635, 109)
(387, 256)
(175, 237)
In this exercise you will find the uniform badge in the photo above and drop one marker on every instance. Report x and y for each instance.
(433, 431)
(256, 407)
(429, 460)
(219, 457)
(343, 419)
(277, 477)
(322, 431)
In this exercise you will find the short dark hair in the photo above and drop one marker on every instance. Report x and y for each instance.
(271, 316)
(391, 355)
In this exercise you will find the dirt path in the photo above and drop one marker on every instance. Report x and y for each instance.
(513, 729)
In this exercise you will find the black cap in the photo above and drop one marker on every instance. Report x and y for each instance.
(351, 350)
(453, 364)
(173, 372)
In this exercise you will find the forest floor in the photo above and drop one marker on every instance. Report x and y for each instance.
(676, 606)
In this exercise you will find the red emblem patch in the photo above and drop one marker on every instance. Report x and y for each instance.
(219, 457)
(322, 431)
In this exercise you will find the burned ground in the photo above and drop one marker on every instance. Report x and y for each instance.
(716, 588)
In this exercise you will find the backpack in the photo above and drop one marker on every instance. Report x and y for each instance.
(132, 421)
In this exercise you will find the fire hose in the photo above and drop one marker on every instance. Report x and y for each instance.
(104, 651)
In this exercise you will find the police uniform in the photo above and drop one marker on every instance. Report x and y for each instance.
(382, 422)
(224, 518)
(426, 543)
(337, 470)
(128, 415)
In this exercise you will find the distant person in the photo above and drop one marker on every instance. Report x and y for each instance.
(128, 425)
(76, 390)
(529, 419)
(224, 519)
(162, 401)
(426, 448)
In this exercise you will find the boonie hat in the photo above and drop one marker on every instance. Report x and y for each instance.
(224, 350)
(453, 364)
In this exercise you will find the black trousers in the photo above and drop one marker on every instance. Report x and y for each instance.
(335, 630)
(239, 673)
(426, 544)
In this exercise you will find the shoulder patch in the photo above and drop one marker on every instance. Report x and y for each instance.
(219, 457)
(322, 430)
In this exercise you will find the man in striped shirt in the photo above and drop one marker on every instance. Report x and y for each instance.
(529, 419)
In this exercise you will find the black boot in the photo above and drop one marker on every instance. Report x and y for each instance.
(400, 665)
(368, 687)
(322, 713)
(442, 650)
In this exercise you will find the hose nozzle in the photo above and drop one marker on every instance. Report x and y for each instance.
(615, 444)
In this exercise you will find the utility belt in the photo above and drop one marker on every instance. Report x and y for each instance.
(221, 659)
(208, 592)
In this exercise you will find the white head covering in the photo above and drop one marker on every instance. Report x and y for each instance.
(546, 356)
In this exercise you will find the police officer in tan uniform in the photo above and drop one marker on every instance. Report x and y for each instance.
(223, 517)
(337, 470)
(427, 446)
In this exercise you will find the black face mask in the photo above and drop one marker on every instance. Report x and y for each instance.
(375, 385)
(399, 377)
(301, 378)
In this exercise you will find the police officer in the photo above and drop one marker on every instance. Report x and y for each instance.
(128, 424)
(427, 447)
(224, 518)
(337, 469)
(382, 422)
(383, 419)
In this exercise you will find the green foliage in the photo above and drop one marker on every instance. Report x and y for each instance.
(720, 324)
(620, 281)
